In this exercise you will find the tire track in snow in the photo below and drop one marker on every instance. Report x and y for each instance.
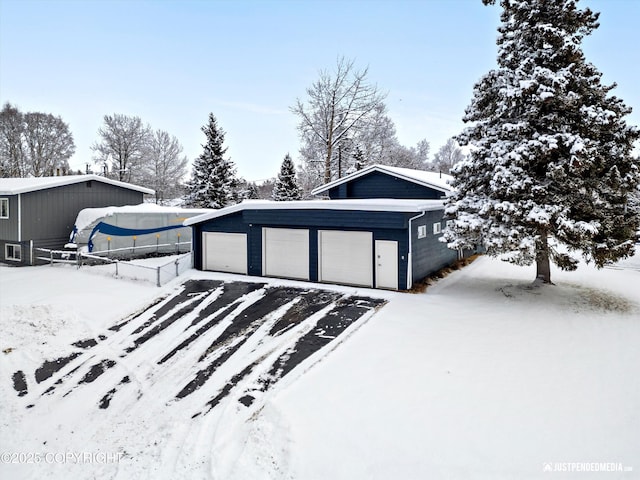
(346, 312)
(50, 367)
(277, 324)
(237, 333)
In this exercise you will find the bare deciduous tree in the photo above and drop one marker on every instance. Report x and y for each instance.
(339, 103)
(33, 143)
(166, 166)
(448, 155)
(122, 147)
(48, 144)
(11, 138)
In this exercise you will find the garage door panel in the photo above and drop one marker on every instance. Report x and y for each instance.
(346, 257)
(285, 252)
(225, 252)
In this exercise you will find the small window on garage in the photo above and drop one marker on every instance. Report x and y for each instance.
(12, 252)
(422, 231)
(437, 228)
(4, 208)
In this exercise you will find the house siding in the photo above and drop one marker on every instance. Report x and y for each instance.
(429, 254)
(48, 215)
(9, 226)
(381, 185)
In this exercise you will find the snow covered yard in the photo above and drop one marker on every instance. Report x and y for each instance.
(482, 376)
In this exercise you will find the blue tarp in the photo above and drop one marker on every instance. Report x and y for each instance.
(116, 231)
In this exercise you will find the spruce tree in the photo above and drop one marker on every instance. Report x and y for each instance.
(214, 177)
(286, 186)
(551, 169)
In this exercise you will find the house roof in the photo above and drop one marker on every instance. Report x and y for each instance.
(438, 181)
(367, 205)
(14, 186)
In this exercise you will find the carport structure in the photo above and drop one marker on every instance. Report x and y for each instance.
(378, 243)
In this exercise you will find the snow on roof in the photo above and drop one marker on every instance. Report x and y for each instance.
(14, 186)
(367, 205)
(439, 181)
(87, 216)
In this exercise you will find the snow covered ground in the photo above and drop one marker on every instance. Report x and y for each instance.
(481, 376)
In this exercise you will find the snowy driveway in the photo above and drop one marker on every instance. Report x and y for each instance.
(212, 335)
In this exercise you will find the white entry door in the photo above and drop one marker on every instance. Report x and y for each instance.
(387, 264)
(285, 252)
(345, 257)
(224, 252)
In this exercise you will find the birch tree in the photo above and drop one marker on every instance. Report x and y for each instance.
(339, 103)
(166, 165)
(122, 147)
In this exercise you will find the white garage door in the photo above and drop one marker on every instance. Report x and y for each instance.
(285, 252)
(345, 257)
(224, 252)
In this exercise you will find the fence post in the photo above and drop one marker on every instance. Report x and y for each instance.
(177, 262)
(117, 262)
(158, 276)
(51, 257)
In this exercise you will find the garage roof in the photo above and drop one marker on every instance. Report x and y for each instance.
(14, 186)
(439, 181)
(366, 205)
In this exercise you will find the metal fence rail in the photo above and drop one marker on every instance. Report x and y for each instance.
(158, 274)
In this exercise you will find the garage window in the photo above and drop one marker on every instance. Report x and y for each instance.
(4, 208)
(422, 231)
(437, 228)
(12, 252)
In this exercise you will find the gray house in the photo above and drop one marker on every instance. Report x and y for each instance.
(41, 211)
(380, 229)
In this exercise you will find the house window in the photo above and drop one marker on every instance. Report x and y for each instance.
(437, 228)
(4, 208)
(422, 231)
(12, 252)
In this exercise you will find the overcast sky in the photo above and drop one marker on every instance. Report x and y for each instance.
(173, 62)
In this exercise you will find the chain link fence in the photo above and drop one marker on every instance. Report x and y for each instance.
(157, 270)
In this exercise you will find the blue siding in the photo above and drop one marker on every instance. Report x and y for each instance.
(231, 224)
(429, 254)
(346, 219)
(382, 185)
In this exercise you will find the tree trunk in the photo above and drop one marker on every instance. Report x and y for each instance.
(543, 267)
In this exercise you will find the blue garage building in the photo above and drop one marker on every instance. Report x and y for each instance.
(380, 229)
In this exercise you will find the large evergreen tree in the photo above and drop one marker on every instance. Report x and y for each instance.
(214, 177)
(551, 170)
(286, 186)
